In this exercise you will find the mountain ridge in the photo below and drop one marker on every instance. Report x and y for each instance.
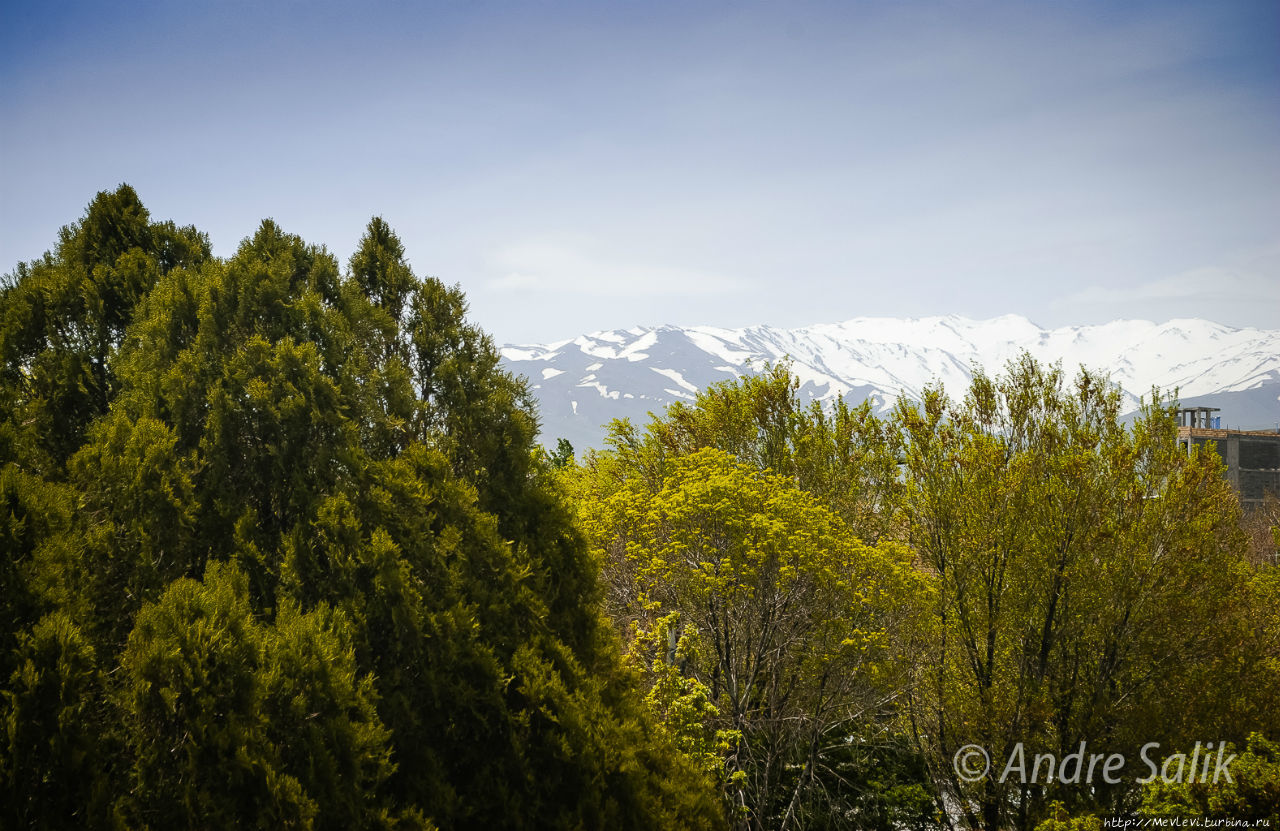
(583, 382)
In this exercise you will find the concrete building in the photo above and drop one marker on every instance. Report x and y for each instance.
(1252, 456)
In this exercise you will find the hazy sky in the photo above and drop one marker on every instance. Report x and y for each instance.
(581, 166)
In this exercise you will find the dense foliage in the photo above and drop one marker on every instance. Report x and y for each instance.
(1252, 795)
(860, 598)
(279, 551)
(790, 625)
(1091, 583)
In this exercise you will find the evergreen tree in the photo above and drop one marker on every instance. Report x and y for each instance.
(316, 574)
(62, 317)
(55, 743)
(379, 269)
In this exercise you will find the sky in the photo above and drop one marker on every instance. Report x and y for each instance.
(586, 166)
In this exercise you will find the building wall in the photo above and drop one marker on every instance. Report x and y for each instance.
(1259, 454)
(1252, 459)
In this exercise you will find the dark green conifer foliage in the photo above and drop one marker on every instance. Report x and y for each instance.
(306, 566)
(52, 742)
(380, 270)
(63, 316)
(296, 742)
(31, 511)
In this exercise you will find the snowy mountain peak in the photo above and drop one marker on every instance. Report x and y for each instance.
(584, 382)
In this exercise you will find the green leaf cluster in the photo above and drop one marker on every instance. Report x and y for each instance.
(1092, 585)
(777, 641)
(856, 598)
(279, 551)
(1251, 795)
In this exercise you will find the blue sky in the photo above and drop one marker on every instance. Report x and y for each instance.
(581, 166)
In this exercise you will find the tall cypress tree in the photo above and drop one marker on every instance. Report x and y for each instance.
(319, 576)
(62, 318)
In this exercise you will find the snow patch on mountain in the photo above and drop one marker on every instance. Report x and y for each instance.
(633, 371)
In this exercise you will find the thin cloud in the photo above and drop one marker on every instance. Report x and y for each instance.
(1209, 283)
(554, 267)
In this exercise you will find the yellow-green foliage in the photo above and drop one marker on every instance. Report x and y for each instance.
(1060, 820)
(793, 633)
(1252, 794)
(1091, 584)
(277, 549)
(681, 702)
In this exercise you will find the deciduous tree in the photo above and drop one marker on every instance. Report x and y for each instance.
(1090, 583)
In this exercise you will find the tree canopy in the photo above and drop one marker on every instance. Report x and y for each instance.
(279, 551)
(1091, 582)
(790, 627)
(1018, 568)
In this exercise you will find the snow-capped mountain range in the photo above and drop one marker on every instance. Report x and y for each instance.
(583, 383)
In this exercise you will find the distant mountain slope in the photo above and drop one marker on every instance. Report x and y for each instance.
(583, 383)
